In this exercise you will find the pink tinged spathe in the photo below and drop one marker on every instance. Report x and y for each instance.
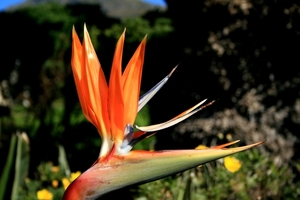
(143, 166)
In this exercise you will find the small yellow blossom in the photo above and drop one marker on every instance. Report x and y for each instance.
(55, 183)
(201, 146)
(55, 169)
(66, 182)
(44, 194)
(74, 175)
(232, 164)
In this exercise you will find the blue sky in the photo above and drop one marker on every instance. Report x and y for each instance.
(156, 2)
(7, 3)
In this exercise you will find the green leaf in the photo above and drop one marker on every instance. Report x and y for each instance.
(8, 166)
(22, 164)
(62, 160)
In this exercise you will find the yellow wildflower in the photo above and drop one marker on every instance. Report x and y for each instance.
(74, 175)
(66, 182)
(55, 169)
(232, 164)
(44, 194)
(201, 146)
(55, 183)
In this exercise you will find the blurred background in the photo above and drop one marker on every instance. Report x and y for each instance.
(243, 53)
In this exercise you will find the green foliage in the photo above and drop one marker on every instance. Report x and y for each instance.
(22, 119)
(56, 16)
(143, 119)
(94, 33)
(234, 54)
(46, 178)
(259, 177)
(49, 13)
(50, 177)
(77, 116)
(137, 28)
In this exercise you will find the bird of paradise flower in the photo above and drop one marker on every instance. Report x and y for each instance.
(112, 108)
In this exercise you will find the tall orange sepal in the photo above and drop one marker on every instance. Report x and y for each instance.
(77, 66)
(116, 99)
(132, 82)
(90, 83)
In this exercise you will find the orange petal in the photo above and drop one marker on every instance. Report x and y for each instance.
(132, 83)
(138, 134)
(96, 86)
(116, 102)
(77, 69)
(225, 145)
(91, 87)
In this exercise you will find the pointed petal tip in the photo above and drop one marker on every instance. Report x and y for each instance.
(85, 31)
(143, 43)
(123, 33)
(238, 148)
(74, 33)
(206, 105)
(182, 116)
(172, 71)
(144, 40)
(243, 148)
(225, 145)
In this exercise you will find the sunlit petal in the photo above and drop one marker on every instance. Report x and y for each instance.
(132, 83)
(96, 85)
(77, 68)
(91, 85)
(116, 98)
